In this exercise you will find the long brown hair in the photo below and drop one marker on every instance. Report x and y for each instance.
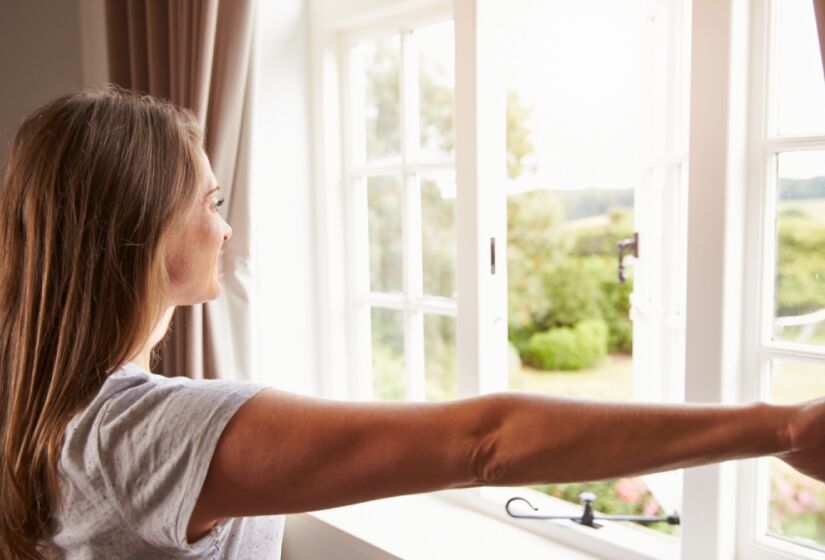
(95, 182)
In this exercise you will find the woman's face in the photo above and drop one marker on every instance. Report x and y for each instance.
(194, 252)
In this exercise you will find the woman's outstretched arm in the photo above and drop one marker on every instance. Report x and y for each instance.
(284, 453)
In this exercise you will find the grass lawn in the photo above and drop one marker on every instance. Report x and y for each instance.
(611, 380)
(797, 381)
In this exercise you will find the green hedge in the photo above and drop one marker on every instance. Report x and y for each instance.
(565, 348)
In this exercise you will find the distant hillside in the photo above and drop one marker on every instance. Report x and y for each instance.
(593, 202)
(586, 203)
(795, 189)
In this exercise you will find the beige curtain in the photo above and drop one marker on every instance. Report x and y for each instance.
(819, 10)
(198, 54)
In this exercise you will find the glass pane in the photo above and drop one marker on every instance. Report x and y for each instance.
(436, 82)
(574, 158)
(440, 357)
(388, 374)
(380, 60)
(384, 203)
(438, 241)
(569, 316)
(797, 503)
(800, 260)
(796, 73)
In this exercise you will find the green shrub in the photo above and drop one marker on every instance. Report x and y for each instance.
(572, 293)
(560, 276)
(565, 348)
(614, 302)
(800, 279)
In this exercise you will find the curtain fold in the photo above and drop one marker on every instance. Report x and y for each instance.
(819, 12)
(198, 54)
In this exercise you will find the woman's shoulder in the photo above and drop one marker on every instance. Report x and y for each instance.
(135, 409)
(143, 445)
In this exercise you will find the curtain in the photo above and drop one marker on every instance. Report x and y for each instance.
(819, 11)
(198, 54)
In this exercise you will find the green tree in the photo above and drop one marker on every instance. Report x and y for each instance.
(535, 243)
(436, 103)
(521, 155)
(382, 94)
(800, 279)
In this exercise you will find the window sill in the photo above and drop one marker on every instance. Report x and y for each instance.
(460, 524)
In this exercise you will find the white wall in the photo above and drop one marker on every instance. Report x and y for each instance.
(284, 222)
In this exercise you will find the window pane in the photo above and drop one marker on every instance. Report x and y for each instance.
(436, 86)
(380, 60)
(384, 202)
(796, 71)
(438, 241)
(800, 273)
(440, 357)
(574, 157)
(797, 503)
(388, 376)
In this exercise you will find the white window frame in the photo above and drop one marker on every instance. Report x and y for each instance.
(758, 286)
(716, 351)
(412, 302)
(481, 308)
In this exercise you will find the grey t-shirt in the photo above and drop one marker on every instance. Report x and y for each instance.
(132, 467)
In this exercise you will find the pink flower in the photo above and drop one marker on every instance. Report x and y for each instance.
(629, 490)
(807, 500)
(651, 508)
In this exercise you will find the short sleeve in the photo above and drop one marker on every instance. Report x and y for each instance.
(155, 443)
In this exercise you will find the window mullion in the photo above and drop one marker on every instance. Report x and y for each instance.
(411, 220)
(414, 336)
(353, 90)
(713, 304)
(361, 378)
(481, 326)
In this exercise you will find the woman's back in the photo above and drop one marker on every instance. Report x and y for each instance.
(132, 467)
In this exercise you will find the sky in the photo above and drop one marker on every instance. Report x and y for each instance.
(800, 95)
(579, 65)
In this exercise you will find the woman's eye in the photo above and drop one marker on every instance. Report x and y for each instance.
(219, 202)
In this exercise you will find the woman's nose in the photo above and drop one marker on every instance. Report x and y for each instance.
(227, 232)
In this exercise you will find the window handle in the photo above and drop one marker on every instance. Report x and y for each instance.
(587, 517)
(629, 246)
(492, 255)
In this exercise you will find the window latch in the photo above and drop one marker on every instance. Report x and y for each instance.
(492, 255)
(587, 516)
(627, 246)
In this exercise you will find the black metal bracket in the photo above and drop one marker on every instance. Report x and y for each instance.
(587, 517)
(627, 246)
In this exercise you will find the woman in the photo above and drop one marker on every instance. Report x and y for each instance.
(108, 218)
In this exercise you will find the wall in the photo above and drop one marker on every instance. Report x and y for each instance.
(283, 197)
(46, 48)
(41, 55)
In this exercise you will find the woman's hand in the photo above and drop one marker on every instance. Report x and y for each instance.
(806, 439)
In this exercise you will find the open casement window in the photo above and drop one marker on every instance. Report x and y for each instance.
(785, 341)
(606, 88)
(412, 229)
(658, 299)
